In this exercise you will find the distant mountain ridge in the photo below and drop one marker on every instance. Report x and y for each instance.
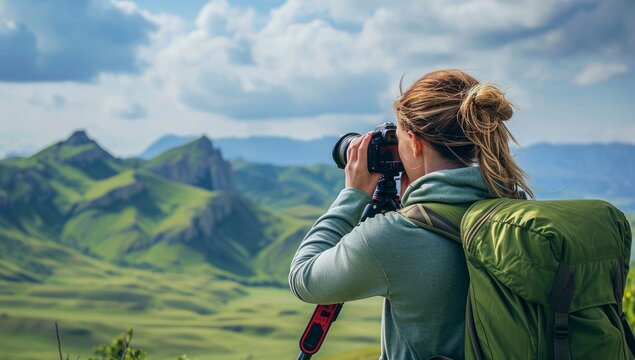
(565, 171)
(258, 149)
(557, 171)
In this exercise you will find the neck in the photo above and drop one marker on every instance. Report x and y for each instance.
(430, 162)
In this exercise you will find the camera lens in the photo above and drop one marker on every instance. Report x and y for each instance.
(340, 148)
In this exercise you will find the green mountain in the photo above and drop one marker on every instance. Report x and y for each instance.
(179, 211)
(82, 153)
(165, 143)
(296, 188)
(196, 163)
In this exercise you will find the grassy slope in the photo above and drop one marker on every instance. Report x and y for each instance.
(172, 155)
(274, 260)
(287, 187)
(103, 187)
(164, 206)
(203, 316)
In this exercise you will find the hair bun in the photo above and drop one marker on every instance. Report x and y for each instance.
(492, 100)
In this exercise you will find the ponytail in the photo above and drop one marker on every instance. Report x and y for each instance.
(481, 116)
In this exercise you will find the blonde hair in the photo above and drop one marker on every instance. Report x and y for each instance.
(464, 121)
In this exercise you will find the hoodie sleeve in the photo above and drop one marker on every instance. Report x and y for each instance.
(334, 263)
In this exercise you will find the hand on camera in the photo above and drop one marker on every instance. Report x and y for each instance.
(356, 170)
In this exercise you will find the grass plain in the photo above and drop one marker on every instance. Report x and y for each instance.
(171, 314)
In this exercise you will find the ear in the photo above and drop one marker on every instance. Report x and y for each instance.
(416, 144)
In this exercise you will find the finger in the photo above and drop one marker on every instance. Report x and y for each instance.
(349, 154)
(362, 151)
(353, 150)
(352, 154)
(356, 143)
(349, 151)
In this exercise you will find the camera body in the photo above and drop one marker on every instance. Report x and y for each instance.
(383, 153)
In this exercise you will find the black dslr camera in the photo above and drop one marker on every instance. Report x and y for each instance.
(383, 154)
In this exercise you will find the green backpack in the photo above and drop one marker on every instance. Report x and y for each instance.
(546, 277)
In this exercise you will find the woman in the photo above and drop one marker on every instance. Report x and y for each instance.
(446, 123)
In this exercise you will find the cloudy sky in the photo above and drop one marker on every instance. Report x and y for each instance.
(129, 72)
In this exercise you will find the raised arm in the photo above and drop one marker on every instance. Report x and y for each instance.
(334, 263)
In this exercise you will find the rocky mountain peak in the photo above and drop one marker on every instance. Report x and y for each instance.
(204, 144)
(91, 158)
(197, 163)
(79, 137)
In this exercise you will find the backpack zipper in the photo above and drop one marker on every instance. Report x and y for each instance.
(474, 230)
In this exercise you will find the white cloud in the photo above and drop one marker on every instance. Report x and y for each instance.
(596, 73)
(285, 68)
(310, 57)
(125, 108)
(49, 102)
(81, 40)
(492, 16)
(314, 127)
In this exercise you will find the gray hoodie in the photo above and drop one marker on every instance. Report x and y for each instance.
(421, 275)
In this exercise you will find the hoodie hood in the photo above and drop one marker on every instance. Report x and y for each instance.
(451, 186)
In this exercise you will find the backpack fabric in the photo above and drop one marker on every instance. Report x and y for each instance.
(546, 277)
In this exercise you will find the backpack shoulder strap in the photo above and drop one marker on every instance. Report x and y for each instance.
(443, 219)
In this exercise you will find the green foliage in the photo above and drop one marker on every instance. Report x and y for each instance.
(121, 349)
(116, 350)
(628, 304)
